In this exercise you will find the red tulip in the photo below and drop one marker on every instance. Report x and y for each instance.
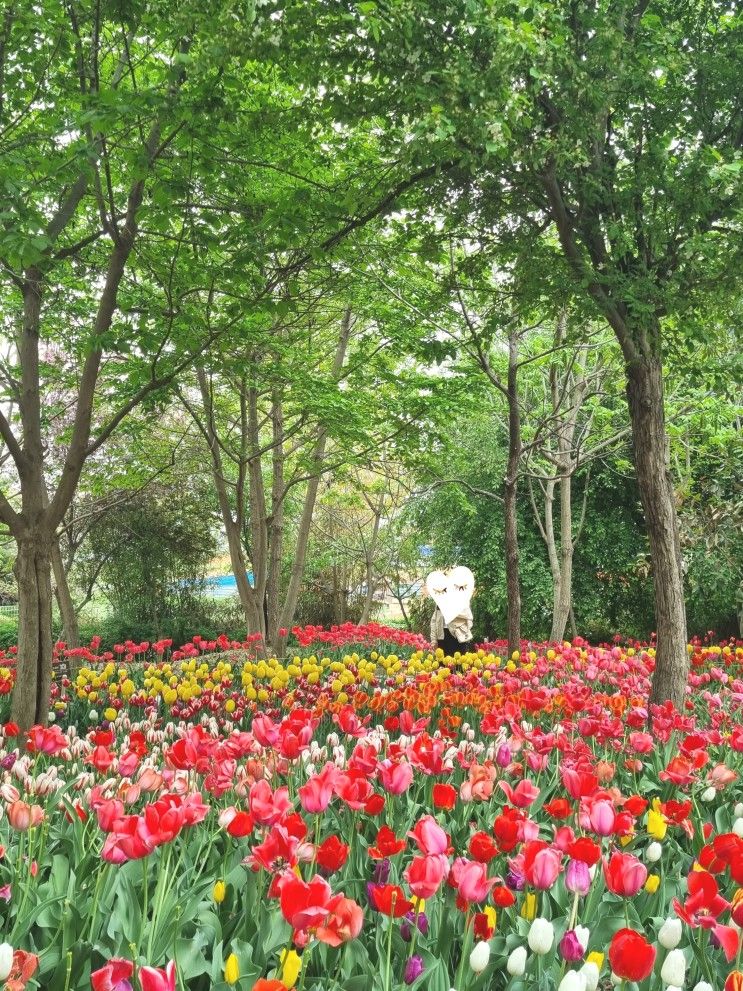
(343, 923)
(332, 854)
(157, 979)
(624, 874)
(386, 844)
(304, 904)
(444, 796)
(114, 976)
(389, 899)
(631, 956)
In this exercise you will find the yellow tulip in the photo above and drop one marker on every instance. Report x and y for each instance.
(657, 825)
(529, 908)
(109, 714)
(597, 958)
(652, 884)
(220, 890)
(491, 915)
(231, 969)
(291, 965)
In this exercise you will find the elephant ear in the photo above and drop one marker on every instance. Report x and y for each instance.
(437, 584)
(462, 580)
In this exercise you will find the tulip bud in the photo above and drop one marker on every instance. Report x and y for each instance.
(413, 968)
(480, 956)
(673, 970)
(231, 970)
(738, 827)
(584, 934)
(669, 934)
(738, 813)
(590, 972)
(572, 981)
(220, 890)
(577, 877)
(708, 795)
(570, 947)
(516, 963)
(541, 936)
(702, 986)
(6, 960)
(653, 853)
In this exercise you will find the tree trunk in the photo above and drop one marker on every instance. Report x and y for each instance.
(305, 523)
(564, 593)
(649, 441)
(370, 581)
(513, 579)
(276, 524)
(30, 703)
(70, 625)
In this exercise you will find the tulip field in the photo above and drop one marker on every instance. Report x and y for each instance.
(369, 815)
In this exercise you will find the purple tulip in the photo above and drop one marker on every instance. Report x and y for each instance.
(577, 877)
(405, 931)
(515, 880)
(503, 757)
(570, 947)
(413, 968)
(8, 761)
(382, 872)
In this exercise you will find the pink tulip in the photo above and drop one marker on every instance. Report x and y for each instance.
(22, 816)
(522, 795)
(156, 979)
(473, 882)
(425, 874)
(268, 807)
(429, 836)
(316, 795)
(602, 817)
(541, 866)
(395, 778)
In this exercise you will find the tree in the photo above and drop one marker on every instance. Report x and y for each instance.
(617, 125)
(134, 237)
(568, 428)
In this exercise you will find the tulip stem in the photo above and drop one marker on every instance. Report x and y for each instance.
(387, 983)
(68, 972)
(465, 947)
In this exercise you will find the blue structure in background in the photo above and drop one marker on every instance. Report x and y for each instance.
(224, 586)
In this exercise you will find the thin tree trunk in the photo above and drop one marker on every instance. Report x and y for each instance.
(305, 523)
(30, 703)
(649, 441)
(513, 578)
(67, 612)
(564, 593)
(370, 582)
(276, 523)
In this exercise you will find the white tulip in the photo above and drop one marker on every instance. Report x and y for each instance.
(738, 827)
(516, 963)
(541, 936)
(583, 934)
(669, 934)
(591, 973)
(573, 981)
(616, 981)
(6, 960)
(480, 956)
(93, 716)
(738, 813)
(703, 986)
(673, 970)
(654, 852)
(708, 795)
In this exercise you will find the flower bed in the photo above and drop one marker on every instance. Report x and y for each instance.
(375, 817)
